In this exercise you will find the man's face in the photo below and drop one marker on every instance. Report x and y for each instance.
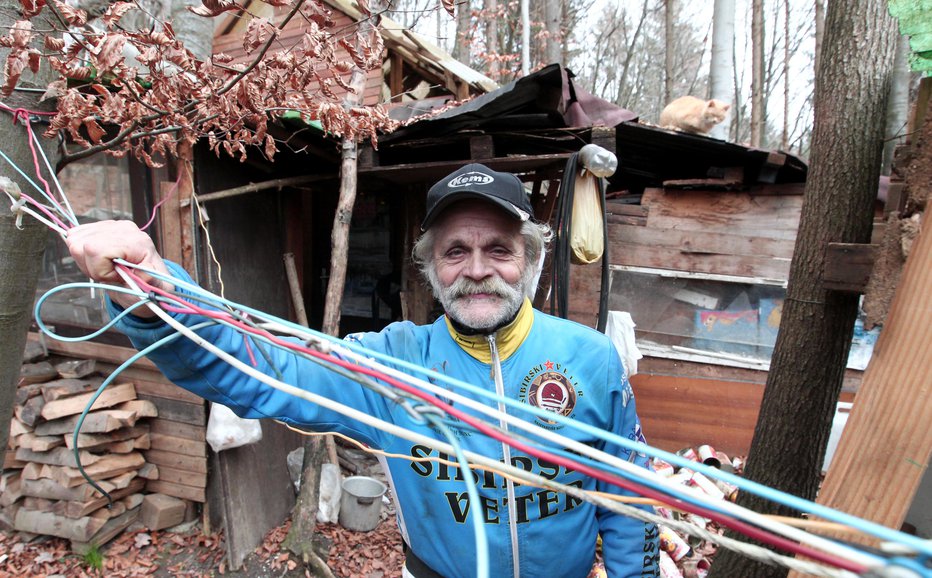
(478, 264)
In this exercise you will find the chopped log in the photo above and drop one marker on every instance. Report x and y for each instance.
(149, 471)
(41, 504)
(133, 501)
(36, 522)
(36, 373)
(52, 490)
(30, 412)
(94, 422)
(122, 481)
(160, 511)
(17, 427)
(11, 462)
(36, 443)
(142, 408)
(76, 368)
(74, 405)
(33, 352)
(94, 440)
(56, 457)
(35, 471)
(26, 392)
(67, 387)
(107, 467)
(12, 488)
(107, 532)
(81, 509)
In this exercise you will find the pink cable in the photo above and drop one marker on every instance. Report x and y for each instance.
(162, 202)
(737, 525)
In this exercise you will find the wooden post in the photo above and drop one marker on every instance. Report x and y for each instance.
(298, 299)
(887, 442)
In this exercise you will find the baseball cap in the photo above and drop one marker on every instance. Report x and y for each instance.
(478, 182)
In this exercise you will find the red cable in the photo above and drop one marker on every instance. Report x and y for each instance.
(635, 487)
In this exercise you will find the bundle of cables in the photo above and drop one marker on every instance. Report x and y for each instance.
(437, 398)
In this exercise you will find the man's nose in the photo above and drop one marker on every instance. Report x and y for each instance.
(476, 266)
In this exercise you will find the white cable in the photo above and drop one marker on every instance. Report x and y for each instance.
(641, 473)
(69, 212)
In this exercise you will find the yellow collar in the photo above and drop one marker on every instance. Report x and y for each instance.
(508, 338)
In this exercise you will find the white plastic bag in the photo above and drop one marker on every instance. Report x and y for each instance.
(226, 430)
(586, 229)
(328, 510)
(620, 329)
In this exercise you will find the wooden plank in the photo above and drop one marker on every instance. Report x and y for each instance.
(107, 467)
(887, 442)
(178, 429)
(81, 509)
(719, 212)
(177, 490)
(848, 266)
(163, 459)
(178, 445)
(107, 532)
(99, 351)
(178, 410)
(86, 441)
(57, 457)
(39, 443)
(185, 478)
(166, 390)
(50, 524)
(94, 422)
(755, 267)
(69, 386)
(701, 242)
(74, 405)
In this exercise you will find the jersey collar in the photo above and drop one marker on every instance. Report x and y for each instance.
(508, 338)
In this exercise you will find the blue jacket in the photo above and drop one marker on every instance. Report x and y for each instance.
(542, 360)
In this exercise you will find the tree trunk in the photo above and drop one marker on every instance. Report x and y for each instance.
(463, 21)
(525, 38)
(811, 352)
(552, 48)
(304, 516)
(898, 106)
(20, 250)
(491, 39)
(669, 47)
(757, 72)
(721, 67)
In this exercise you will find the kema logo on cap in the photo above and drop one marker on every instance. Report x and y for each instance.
(470, 178)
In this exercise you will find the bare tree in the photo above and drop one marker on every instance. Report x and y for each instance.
(898, 107)
(811, 351)
(668, 35)
(721, 66)
(758, 115)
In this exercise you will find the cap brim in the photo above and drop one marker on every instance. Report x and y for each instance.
(462, 195)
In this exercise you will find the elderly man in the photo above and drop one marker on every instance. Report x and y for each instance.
(480, 251)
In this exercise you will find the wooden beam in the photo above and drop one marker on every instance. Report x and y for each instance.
(848, 266)
(887, 442)
(481, 147)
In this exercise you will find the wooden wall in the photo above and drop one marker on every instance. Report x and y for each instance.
(745, 234)
(230, 42)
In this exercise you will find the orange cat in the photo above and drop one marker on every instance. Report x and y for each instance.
(695, 115)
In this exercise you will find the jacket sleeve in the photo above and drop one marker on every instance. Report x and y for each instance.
(630, 547)
(201, 372)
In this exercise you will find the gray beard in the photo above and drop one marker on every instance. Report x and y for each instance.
(451, 298)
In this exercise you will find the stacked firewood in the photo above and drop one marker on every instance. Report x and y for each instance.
(42, 490)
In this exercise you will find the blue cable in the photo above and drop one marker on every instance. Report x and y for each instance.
(923, 547)
(84, 285)
(475, 509)
(77, 428)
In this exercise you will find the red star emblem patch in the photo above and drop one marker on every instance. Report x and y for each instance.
(549, 365)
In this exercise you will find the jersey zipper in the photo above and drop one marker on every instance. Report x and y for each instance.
(506, 451)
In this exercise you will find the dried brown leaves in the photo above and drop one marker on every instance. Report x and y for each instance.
(143, 91)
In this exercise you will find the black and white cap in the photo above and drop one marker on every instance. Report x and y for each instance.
(478, 182)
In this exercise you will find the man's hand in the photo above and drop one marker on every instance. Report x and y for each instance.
(96, 245)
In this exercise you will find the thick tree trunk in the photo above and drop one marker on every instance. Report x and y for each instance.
(463, 20)
(757, 72)
(815, 332)
(20, 250)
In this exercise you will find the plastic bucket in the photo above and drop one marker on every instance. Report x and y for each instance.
(361, 503)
